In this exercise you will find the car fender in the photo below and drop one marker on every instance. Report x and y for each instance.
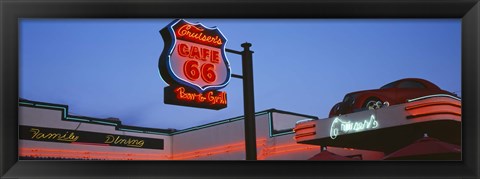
(333, 110)
(363, 97)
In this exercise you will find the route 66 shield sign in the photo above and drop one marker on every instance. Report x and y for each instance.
(194, 59)
(194, 56)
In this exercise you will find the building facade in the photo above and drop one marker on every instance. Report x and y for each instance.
(48, 131)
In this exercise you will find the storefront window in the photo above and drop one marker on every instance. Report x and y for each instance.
(282, 123)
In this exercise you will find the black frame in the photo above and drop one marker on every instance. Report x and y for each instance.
(468, 10)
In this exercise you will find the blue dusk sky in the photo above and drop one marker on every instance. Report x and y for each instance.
(109, 67)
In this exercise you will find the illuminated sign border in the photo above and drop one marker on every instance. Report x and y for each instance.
(169, 36)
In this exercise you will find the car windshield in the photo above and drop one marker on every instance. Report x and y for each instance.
(389, 85)
(410, 84)
(348, 98)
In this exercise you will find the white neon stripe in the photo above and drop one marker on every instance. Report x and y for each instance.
(31, 104)
(130, 130)
(434, 95)
(41, 105)
(149, 132)
(303, 120)
(105, 122)
(283, 133)
(77, 119)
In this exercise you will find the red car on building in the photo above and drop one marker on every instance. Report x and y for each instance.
(396, 92)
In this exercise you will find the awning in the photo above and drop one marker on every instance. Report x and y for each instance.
(327, 155)
(427, 148)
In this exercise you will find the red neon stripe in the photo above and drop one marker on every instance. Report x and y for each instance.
(292, 150)
(305, 135)
(222, 148)
(209, 153)
(433, 113)
(304, 127)
(89, 154)
(432, 104)
(286, 146)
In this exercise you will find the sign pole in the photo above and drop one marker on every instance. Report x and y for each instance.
(249, 103)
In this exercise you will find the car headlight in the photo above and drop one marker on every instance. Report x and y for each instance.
(386, 104)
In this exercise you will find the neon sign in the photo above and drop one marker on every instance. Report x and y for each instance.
(87, 138)
(339, 126)
(220, 98)
(180, 95)
(194, 58)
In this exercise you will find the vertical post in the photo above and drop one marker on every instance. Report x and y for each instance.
(249, 103)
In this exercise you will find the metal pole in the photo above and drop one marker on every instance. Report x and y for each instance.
(249, 103)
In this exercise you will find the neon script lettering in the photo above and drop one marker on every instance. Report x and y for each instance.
(196, 34)
(210, 97)
(343, 127)
(37, 134)
(111, 139)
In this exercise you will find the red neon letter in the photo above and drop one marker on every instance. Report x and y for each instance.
(205, 54)
(180, 92)
(215, 56)
(194, 52)
(182, 50)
